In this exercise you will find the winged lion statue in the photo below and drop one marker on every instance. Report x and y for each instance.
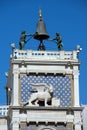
(43, 93)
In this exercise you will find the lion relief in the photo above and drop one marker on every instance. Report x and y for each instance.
(43, 93)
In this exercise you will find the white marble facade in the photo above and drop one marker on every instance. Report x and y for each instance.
(23, 116)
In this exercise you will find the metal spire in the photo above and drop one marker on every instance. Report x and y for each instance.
(40, 14)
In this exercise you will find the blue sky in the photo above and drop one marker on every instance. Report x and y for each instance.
(69, 17)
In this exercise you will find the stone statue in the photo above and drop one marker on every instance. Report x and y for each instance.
(43, 93)
(22, 40)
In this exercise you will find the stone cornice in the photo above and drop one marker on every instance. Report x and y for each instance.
(44, 62)
(47, 108)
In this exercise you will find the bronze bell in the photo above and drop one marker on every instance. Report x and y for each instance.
(41, 33)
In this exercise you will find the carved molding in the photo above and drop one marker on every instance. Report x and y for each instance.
(46, 128)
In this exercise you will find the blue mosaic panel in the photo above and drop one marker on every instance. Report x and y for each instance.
(61, 87)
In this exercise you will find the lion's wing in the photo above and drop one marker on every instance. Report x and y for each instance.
(40, 87)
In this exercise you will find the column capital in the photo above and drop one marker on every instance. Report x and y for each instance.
(14, 124)
(15, 71)
(76, 73)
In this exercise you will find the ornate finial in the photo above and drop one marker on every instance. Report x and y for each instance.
(40, 14)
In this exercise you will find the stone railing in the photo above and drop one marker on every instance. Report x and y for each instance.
(3, 110)
(45, 55)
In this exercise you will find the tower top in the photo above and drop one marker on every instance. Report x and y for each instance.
(40, 34)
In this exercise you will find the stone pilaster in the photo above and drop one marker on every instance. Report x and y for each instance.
(15, 120)
(15, 125)
(77, 120)
(15, 85)
(76, 88)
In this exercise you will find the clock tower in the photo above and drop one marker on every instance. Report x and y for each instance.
(43, 86)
